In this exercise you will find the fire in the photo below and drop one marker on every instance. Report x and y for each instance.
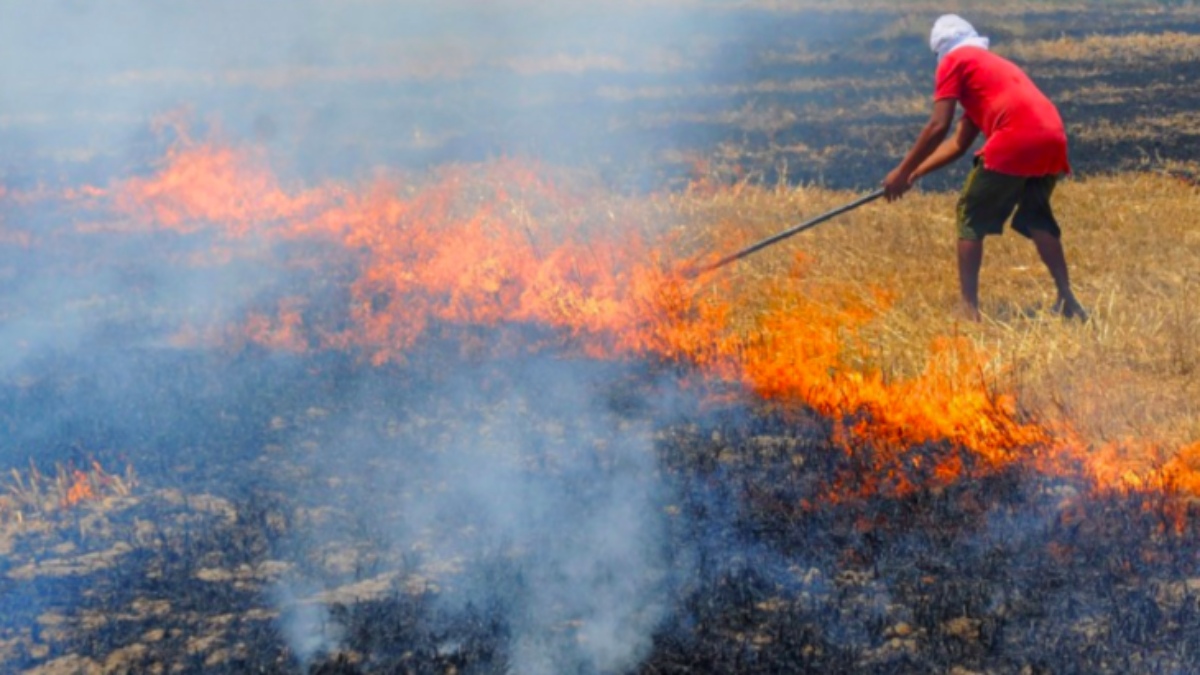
(475, 247)
(950, 402)
(439, 255)
(33, 492)
(208, 184)
(82, 485)
(282, 332)
(79, 490)
(1183, 470)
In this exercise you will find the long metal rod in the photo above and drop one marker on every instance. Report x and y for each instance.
(791, 232)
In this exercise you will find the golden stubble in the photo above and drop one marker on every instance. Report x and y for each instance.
(1133, 243)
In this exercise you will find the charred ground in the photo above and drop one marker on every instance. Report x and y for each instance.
(827, 95)
(1012, 572)
(263, 508)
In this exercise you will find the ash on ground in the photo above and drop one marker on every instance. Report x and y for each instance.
(338, 518)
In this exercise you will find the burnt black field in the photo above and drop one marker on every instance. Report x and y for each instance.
(1009, 573)
(484, 509)
(642, 121)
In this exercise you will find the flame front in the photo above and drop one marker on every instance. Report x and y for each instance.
(473, 247)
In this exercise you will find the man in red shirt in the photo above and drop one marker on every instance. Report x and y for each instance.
(1022, 159)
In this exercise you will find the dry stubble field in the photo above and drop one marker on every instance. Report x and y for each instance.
(288, 509)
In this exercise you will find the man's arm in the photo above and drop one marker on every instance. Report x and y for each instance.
(900, 179)
(950, 151)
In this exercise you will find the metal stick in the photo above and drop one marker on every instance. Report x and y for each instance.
(790, 232)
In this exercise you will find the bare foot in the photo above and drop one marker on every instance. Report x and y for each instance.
(1069, 308)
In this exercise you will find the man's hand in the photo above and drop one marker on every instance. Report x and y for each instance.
(900, 180)
(896, 184)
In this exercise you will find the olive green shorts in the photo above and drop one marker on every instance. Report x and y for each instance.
(988, 199)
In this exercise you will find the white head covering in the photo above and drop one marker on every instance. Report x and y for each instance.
(950, 32)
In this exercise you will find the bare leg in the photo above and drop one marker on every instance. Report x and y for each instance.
(1051, 252)
(970, 259)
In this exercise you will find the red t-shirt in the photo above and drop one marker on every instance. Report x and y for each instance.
(1025, 134)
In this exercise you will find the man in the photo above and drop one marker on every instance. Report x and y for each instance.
(1022, 159)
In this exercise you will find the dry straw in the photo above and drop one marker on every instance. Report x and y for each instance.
(1133, 242)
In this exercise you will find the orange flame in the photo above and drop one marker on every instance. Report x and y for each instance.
(468, 250)
(86, 485)
(80, 489)
(198, 186)
(283, 332)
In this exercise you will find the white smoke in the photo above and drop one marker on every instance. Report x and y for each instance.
(540, 478)
(305, 624)
(575, 514)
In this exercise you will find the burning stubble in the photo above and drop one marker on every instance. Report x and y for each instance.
(504, 475)
(380, 270)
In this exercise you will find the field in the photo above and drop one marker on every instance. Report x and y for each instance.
(371, 348)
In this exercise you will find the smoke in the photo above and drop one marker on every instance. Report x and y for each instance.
(545, 501)
(306, 625)
(329, 90)
(336, 88)
(521, 487)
